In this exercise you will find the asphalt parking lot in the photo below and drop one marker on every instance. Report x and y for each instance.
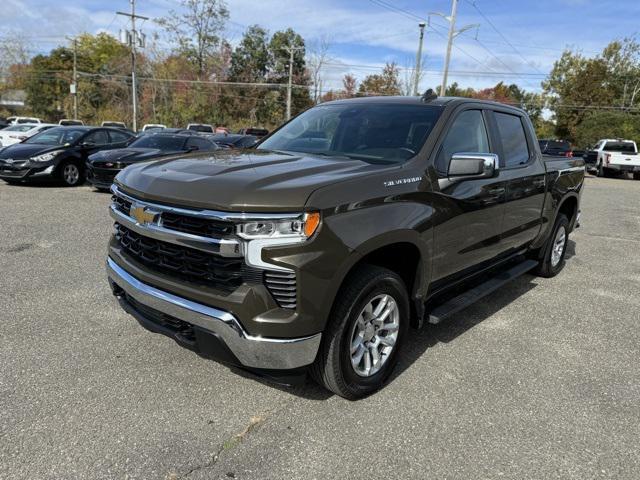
(541, 380)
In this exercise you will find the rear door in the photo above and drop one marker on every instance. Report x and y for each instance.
(468, 212)
(525, 176)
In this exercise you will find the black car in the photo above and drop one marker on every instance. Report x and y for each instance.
(102, 167)
(230, 140)
(59, 153)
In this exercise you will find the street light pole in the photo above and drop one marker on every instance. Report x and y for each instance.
(452, 29)
(416, 79)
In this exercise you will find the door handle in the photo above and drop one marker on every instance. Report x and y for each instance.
(497, 191)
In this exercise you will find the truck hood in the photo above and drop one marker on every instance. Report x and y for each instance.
(229, 180)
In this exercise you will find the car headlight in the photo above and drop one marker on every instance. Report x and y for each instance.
(290, 228)
(45, 157)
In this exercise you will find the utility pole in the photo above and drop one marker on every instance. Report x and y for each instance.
(74, 85)
(291, 51)
(416, 79)
(453, 33)
(133, 39)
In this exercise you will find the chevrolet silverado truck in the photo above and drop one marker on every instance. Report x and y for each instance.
(317, 251)
(611, 156)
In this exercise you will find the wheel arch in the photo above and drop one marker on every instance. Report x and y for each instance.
(400, 252)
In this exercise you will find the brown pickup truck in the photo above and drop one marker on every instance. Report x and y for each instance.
(359, 219)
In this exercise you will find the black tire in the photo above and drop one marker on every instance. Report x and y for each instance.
(547, 267)
(636, 175)
(333, 368)
(70, 174)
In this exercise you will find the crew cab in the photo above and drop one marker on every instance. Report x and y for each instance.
(319, 250)
(614, 156)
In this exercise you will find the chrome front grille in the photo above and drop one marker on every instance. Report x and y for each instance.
(194, 245)
(282, 286)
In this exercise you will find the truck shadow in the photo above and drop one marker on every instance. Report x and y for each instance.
(429, 336)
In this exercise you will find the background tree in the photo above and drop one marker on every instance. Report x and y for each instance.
(385, 83)
(197, 31)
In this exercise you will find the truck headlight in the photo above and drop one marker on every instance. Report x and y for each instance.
(289, 228)
(45, 157)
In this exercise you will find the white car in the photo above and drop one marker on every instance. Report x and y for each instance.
(17, 120)
(617, 156)
(21, 131)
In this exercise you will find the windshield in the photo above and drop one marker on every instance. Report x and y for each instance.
(161, 142)
(56, 136)
(624, 147)
(18, 128)
(375, 132)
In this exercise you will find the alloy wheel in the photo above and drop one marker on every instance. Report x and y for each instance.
(374, 335)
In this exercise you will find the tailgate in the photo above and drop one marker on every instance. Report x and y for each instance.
(621, 158)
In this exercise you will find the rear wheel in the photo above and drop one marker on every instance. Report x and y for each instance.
(70, 174)
(556, 249)
(361, 344)
(636, 175)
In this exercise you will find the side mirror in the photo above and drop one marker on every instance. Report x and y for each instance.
(473, 165)
(87, 144)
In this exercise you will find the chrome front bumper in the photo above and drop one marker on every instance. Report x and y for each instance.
(251, 351)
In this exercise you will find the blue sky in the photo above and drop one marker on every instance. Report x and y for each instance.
(363, 34)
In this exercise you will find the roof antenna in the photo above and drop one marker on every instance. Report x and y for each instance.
(429, 95)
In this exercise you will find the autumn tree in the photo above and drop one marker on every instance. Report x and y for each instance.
(197, 31)
(385, 83)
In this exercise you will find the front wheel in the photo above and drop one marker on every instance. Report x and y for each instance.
(369, 322)
(70, 174)
(556, 249)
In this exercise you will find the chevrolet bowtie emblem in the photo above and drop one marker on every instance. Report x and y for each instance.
(143, 215)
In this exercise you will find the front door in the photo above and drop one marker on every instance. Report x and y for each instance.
(468, 212)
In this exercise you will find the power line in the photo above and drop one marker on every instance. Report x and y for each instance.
(473, 4)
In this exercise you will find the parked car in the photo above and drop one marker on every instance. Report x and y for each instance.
(59, 153)
(21, 131)
(3, 123)
(200, 127)
(15, 120)
(256, 132)
(68, 122)
(613, 157)
(353, 222)
(153, 126)
(555, 147)
(103, 166)
(225, 140)
(114, 124)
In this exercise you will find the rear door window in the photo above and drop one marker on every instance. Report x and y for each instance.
(118, 137)
(513, 138)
